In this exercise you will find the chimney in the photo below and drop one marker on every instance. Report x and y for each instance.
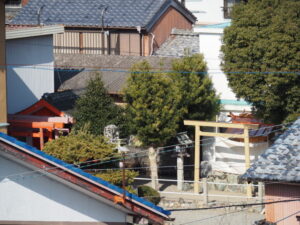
(24, 2)
(183, 2)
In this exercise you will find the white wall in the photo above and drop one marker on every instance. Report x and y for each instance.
(39, 198)
(207, 11)
(210, 42)
(228, 156)
(25, 83)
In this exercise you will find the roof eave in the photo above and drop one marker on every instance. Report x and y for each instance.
(155, 216)
(33, 32)
(176, 5)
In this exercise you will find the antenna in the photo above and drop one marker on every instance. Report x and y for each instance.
(39, 13)
(102, 17)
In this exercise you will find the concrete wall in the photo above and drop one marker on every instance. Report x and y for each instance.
(39, 198)
(207, 11)
(26, 80)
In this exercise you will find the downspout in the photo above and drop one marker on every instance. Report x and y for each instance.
(152, 42)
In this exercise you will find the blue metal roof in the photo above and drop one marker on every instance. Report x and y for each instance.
(119, 13)
(82, 173)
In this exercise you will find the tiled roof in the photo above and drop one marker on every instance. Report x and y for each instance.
(180, 42)
(120, 13)
(281, 162)
(114, 70)
(22, 147)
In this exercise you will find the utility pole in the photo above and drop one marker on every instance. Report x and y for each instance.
(123, 176)
(3, 101)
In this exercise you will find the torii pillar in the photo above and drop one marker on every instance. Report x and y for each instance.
(198, 133)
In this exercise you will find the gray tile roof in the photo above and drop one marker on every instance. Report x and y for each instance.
(281, 162)
(180, 42)
(120, 13)
(114, 69)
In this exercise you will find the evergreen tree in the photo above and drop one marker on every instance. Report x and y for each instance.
(198, 97)
(152, 104)
(264, 37)
(97, 109)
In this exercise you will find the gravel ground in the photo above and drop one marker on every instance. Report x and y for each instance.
(215, 217)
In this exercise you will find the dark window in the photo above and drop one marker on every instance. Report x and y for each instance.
(228, 4)
(13, 2)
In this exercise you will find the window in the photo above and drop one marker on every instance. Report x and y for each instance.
(228, 7)
(13, 3)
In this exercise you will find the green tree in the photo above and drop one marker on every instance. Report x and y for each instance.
(264, 37)
(152, 104)
(96, 108)
(81, 146)
(198, 97)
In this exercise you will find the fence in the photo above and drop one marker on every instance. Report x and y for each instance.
(207, 194)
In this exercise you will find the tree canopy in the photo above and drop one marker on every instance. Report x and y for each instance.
(262, 54)
(198, 97)
(159, 102)
(96, 108)
(152, 104)
(81, 146)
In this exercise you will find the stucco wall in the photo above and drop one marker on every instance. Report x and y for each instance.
(210, 42)
(26, 80)
(207, 11)
(32, 197)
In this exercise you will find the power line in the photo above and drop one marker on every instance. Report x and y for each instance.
(102, 69)
(116, 160)
(237, 205)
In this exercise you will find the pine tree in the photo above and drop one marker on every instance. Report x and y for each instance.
(198, 97)
(97, 109)
(152, 105)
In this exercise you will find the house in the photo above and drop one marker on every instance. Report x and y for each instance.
(210, 39)
(212, 18)
(36, 188)
(114, 70)
(113, 27)
(29, 64)
(278, 167)
(211, 12)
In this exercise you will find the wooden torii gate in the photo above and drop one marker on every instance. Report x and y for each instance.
(198, 133)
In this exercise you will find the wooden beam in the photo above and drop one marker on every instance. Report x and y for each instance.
(217, 124)
(41, 138)
(197, 160)
(33, 118)
(3, 101)
(45, 125)
(225, 135)
(247, 157)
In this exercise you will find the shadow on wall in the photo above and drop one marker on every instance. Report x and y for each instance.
(38, 193)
